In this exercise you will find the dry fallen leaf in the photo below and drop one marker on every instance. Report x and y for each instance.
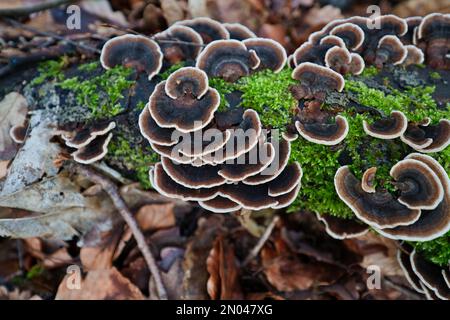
(156, 216)
(173, 10)
(101, 285)
(223, 282)
(13, 111)
(56, 258)
(287, 272)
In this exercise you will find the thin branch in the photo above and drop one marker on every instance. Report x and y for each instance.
(111, 189)
(24, 11)
(261, 241)
(52, 35)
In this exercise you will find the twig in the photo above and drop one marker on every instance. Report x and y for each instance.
(23, 11)
(261, 241)
(111, 189)
(52, 35)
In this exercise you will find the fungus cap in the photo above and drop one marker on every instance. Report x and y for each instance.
(135, 51)
(187, 80)
(414, 56)
(390, 127)
(81, 137)
(318, 77)
(420, 187)
(352, 35)
(220, 205)
(18, 133)
(431, 224)
(271, 54)
(324, 133)
(227, 59)
(338, 59)
(94, 151)
(390, 50)
(378, 209)
(342, 228)
(186, 113)
(368, 180)
(238, 31)
(209, 29)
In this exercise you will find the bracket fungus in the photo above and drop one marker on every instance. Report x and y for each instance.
(138, 52)
(271, 54)
(184, 101)
(324, 133)
(368, 180)
(388, 127)
(185, 44)
(427, 138)
(227, 59)
(91, 141)
(209, 29)
(342, 228)
(238, 31)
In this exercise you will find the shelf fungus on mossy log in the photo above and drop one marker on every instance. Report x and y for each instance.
(179, 44)
(424, 277)
(209, 29)
(90, 141)
(391, 127)
(138, 52)
(431, 223)
(427, 138)
(184, 101)
(227, 59)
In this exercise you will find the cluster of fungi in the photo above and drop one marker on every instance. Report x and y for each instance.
(217, 174)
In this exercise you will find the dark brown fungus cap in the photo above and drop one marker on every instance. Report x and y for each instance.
(342, 228)
(176, 52)
(248, 164)
(289, 136)
(390, 50)
(324, 133)
(154, 133)
(435, 31)
(286, 199)
(187, 81)
(378, 209)
(18, 133)
(332, 41)
(172, 152)
(243, 138)
(186, 113)
(357, 64)
(205, 144)
(410, 36)
(431, 224)
(391, 24)
(227, 59)
(220, 205)
(388, 127)
(134, 51)
(368, 180)
(316, 81)
(420, 187)
(205, 176)
(279, 162)
(315, 37)
(209, 29)
(271, 53)
(168, 187)
(94, 151)
(415, 137)
(430, 275)
(404, 261)
(249, 197)
(286, 181)
(81, 137)
(414, 56)
(440, 134)
(352, 35)
(338, 59)
(238, 31)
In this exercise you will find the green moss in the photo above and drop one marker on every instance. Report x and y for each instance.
(89, 67)
(164, 75)
(416, 102)
(437, 250)
(435, 75)
(223, 88)
(370, 72)
(134, 158)
(100, 94)
(49, 70)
